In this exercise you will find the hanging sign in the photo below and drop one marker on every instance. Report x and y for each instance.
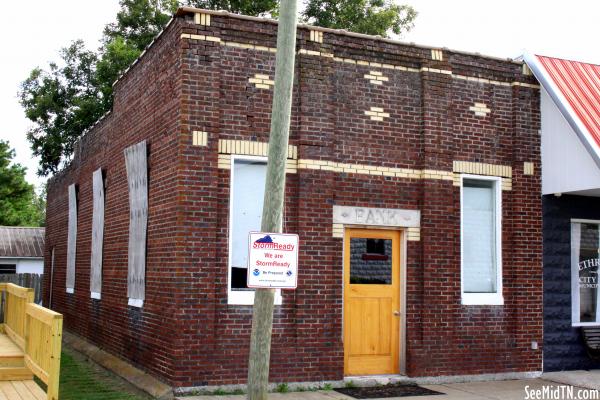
(273, 260)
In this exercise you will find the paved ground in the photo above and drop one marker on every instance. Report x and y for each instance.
(496, 390)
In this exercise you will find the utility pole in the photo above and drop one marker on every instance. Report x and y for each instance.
(272, 216)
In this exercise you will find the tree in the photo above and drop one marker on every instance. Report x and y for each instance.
(372, 17)
(69, 96)
(256, 8)
(19, 204)
(61, 102)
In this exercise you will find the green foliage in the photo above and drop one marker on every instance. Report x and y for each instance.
(328, 386)
(350, 384)
(372, 17)
(61, 102)
(19, 204)
(257, 8)
(282, 388)
(139, 21)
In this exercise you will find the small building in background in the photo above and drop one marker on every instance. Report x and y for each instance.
(21, 250)
(570, 110)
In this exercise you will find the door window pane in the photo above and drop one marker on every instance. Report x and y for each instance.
(371, 261)
(479, 237)
(246, 212)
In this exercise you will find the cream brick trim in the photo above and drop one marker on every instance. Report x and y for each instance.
(527, 168)
(316, 36)
(224, 161)
(376, 77)
(261, 81)
(337, 231)
(526, 70)
(199, 138)
(374, 170)
(365, 63)
(436, 70)
(437, 54)
(476, 168)
(527, 85)
(377, 114)
(200, 37)
(250, 148)
(315, 53)
(413, 234)
(480, 109)
(202, 19)
(466, 167)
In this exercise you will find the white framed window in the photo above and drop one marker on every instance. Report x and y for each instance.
(481, 240)
(246, 191)
(585, 260)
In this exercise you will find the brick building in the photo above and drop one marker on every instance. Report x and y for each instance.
(420, 162)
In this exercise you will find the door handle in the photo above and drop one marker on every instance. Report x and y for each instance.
(397, 313)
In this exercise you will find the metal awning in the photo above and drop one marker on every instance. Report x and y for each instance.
(574, 86)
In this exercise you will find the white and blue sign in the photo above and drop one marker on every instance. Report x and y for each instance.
(273, 260)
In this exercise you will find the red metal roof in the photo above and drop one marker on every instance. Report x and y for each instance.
(579, 84)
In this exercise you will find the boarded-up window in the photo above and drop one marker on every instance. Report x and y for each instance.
(71, 239)
(137, 177)
(97, 235)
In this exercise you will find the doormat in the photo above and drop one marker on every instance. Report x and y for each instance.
(392, 390)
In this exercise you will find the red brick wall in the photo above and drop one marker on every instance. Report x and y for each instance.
(191, 336)
(146, 106)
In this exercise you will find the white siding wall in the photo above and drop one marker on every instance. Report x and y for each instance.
(566, 164)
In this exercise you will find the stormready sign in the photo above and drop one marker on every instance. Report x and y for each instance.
(273, 260)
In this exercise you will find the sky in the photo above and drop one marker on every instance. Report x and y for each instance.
(32, 35)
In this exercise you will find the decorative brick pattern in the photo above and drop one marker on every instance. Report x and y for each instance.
(202, 19)
(261, 81)
(377, 114)
(316, 36)
(437, 55)
(480, 109)
(199, 138)
(528, 168)
(413, 234)
(376, 78)
(337, 231)
(474, 168)
(200, 37)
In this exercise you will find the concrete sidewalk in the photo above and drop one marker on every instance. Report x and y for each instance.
(584, 379)
(498, 390)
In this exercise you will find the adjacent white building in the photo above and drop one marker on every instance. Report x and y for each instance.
(21, 250)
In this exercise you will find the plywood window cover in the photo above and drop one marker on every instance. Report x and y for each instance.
(137, 178)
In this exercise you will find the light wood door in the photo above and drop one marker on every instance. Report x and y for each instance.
(371, 302)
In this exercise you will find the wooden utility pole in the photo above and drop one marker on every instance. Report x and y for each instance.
(272, 216)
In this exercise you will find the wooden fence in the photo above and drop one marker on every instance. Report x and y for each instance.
(33, 281)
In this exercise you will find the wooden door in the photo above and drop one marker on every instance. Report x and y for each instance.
(371, 302)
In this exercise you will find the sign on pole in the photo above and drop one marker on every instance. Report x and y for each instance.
(273, 260)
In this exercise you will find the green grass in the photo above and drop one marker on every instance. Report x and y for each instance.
(82, 380)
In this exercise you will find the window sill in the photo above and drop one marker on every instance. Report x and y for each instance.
(482, 299)
(584, 324)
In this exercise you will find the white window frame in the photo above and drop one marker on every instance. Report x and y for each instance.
(236, 297)
(492, 299)
(575, 294)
